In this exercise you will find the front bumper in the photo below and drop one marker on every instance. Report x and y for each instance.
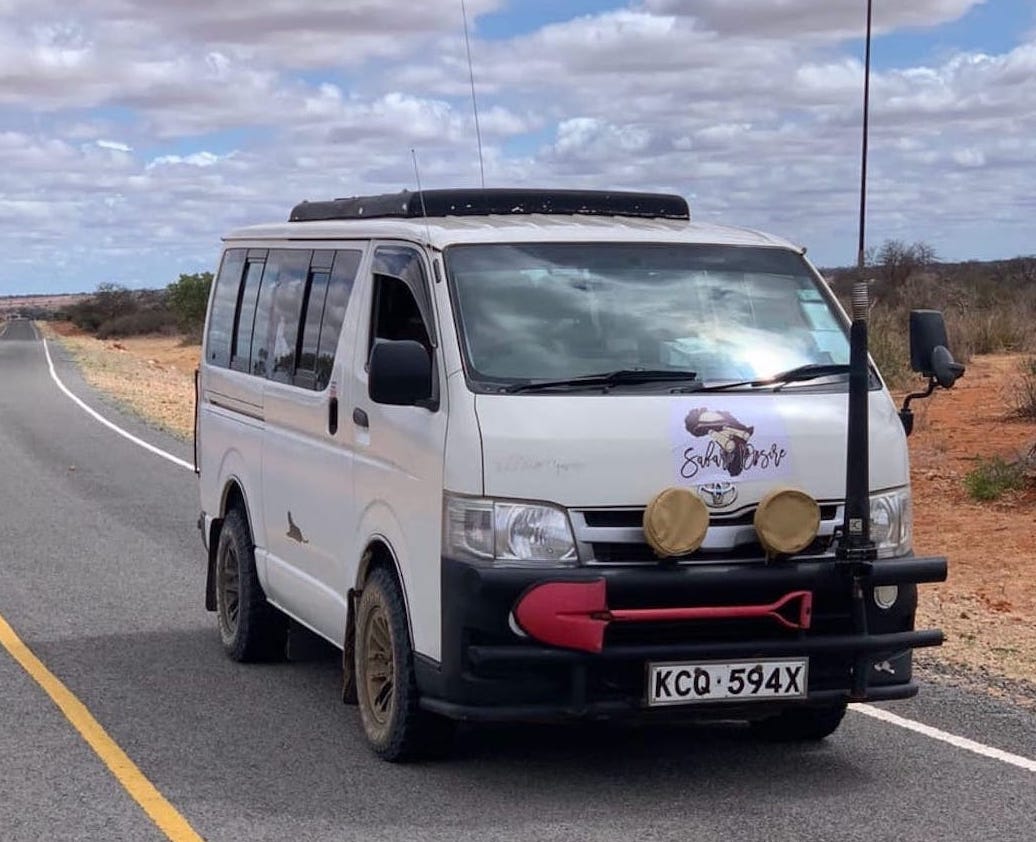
(490, 671)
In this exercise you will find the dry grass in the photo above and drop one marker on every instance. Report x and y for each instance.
(989, 309)
(153, 376)
(1021, 390)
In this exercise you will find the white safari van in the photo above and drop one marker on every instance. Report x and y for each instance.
(529, 455)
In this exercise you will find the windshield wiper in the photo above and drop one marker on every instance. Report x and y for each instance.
(799, 374)
(624, 376)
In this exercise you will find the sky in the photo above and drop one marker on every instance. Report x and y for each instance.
(134, 133)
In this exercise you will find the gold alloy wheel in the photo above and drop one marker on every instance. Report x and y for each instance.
(378, 665)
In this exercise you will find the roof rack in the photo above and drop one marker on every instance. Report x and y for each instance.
(476, 202)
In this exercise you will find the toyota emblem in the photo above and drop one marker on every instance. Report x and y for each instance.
(718, 494)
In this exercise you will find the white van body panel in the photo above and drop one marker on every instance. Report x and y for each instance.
(398, 476)
(621, 450)
(309, 508)
(462, 459)
(462, 472)
(230, 447)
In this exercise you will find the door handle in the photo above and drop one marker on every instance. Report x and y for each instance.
(332, 416)
(360, 418)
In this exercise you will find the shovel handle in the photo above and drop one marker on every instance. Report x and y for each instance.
(723, 612)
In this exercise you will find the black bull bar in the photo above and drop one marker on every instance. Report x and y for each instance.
(861, 642)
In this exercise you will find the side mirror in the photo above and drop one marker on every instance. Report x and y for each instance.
(400, 373)
(929, 348)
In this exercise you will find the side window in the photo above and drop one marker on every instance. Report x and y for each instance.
(286, 313)
(241, 344)
(305, 375)
(339, 288)
(273, 311)
(330, 285)
(396, 313)
(224, 305)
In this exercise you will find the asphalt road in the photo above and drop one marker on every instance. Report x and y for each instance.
(101, 574)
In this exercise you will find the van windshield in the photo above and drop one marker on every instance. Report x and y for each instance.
(549, 311)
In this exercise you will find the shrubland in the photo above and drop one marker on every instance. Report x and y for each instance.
(114, 311)
(990, 307)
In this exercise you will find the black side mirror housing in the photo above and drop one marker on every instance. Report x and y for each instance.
(400, 373)
(929, 348)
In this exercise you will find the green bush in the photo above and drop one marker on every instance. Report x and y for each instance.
(992, 478)
(188, 298)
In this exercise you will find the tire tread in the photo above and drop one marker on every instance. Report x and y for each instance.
(413, 733)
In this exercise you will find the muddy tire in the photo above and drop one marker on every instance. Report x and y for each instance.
(249, 627)
(395, 727)
(800, 725)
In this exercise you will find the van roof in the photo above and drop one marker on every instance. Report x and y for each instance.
(499, 215)
(440, 232)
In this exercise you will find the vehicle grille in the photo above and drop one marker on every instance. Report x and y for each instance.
(616, 536)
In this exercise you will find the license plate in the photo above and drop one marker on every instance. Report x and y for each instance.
(735, 681)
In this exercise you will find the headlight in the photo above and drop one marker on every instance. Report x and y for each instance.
(892, 523)
(506, 533)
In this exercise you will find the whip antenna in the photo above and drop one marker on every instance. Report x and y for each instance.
(861, 250)
(474, 99)
(420, 192)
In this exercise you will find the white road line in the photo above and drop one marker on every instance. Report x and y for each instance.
(946, 737)
(867, 710)
(114, 427)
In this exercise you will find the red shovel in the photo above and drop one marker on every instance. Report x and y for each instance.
(575, 614)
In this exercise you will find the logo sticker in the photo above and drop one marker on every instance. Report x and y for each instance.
(713, 447)
(718, 494)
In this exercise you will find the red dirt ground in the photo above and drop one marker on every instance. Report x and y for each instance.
(989, 601)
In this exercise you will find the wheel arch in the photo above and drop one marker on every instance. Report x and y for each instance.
(377, 554)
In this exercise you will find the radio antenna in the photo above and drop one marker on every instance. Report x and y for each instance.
(861, 254)
(420, 192)
(474, 99)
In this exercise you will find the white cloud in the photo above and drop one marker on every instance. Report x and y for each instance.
(114, 145)
(134, 133)
(830, 18)
(587, 138)
(196, 159)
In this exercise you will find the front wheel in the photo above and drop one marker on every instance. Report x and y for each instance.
(395, 727)
(805, 724)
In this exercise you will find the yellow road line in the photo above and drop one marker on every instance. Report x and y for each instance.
(160, 811)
